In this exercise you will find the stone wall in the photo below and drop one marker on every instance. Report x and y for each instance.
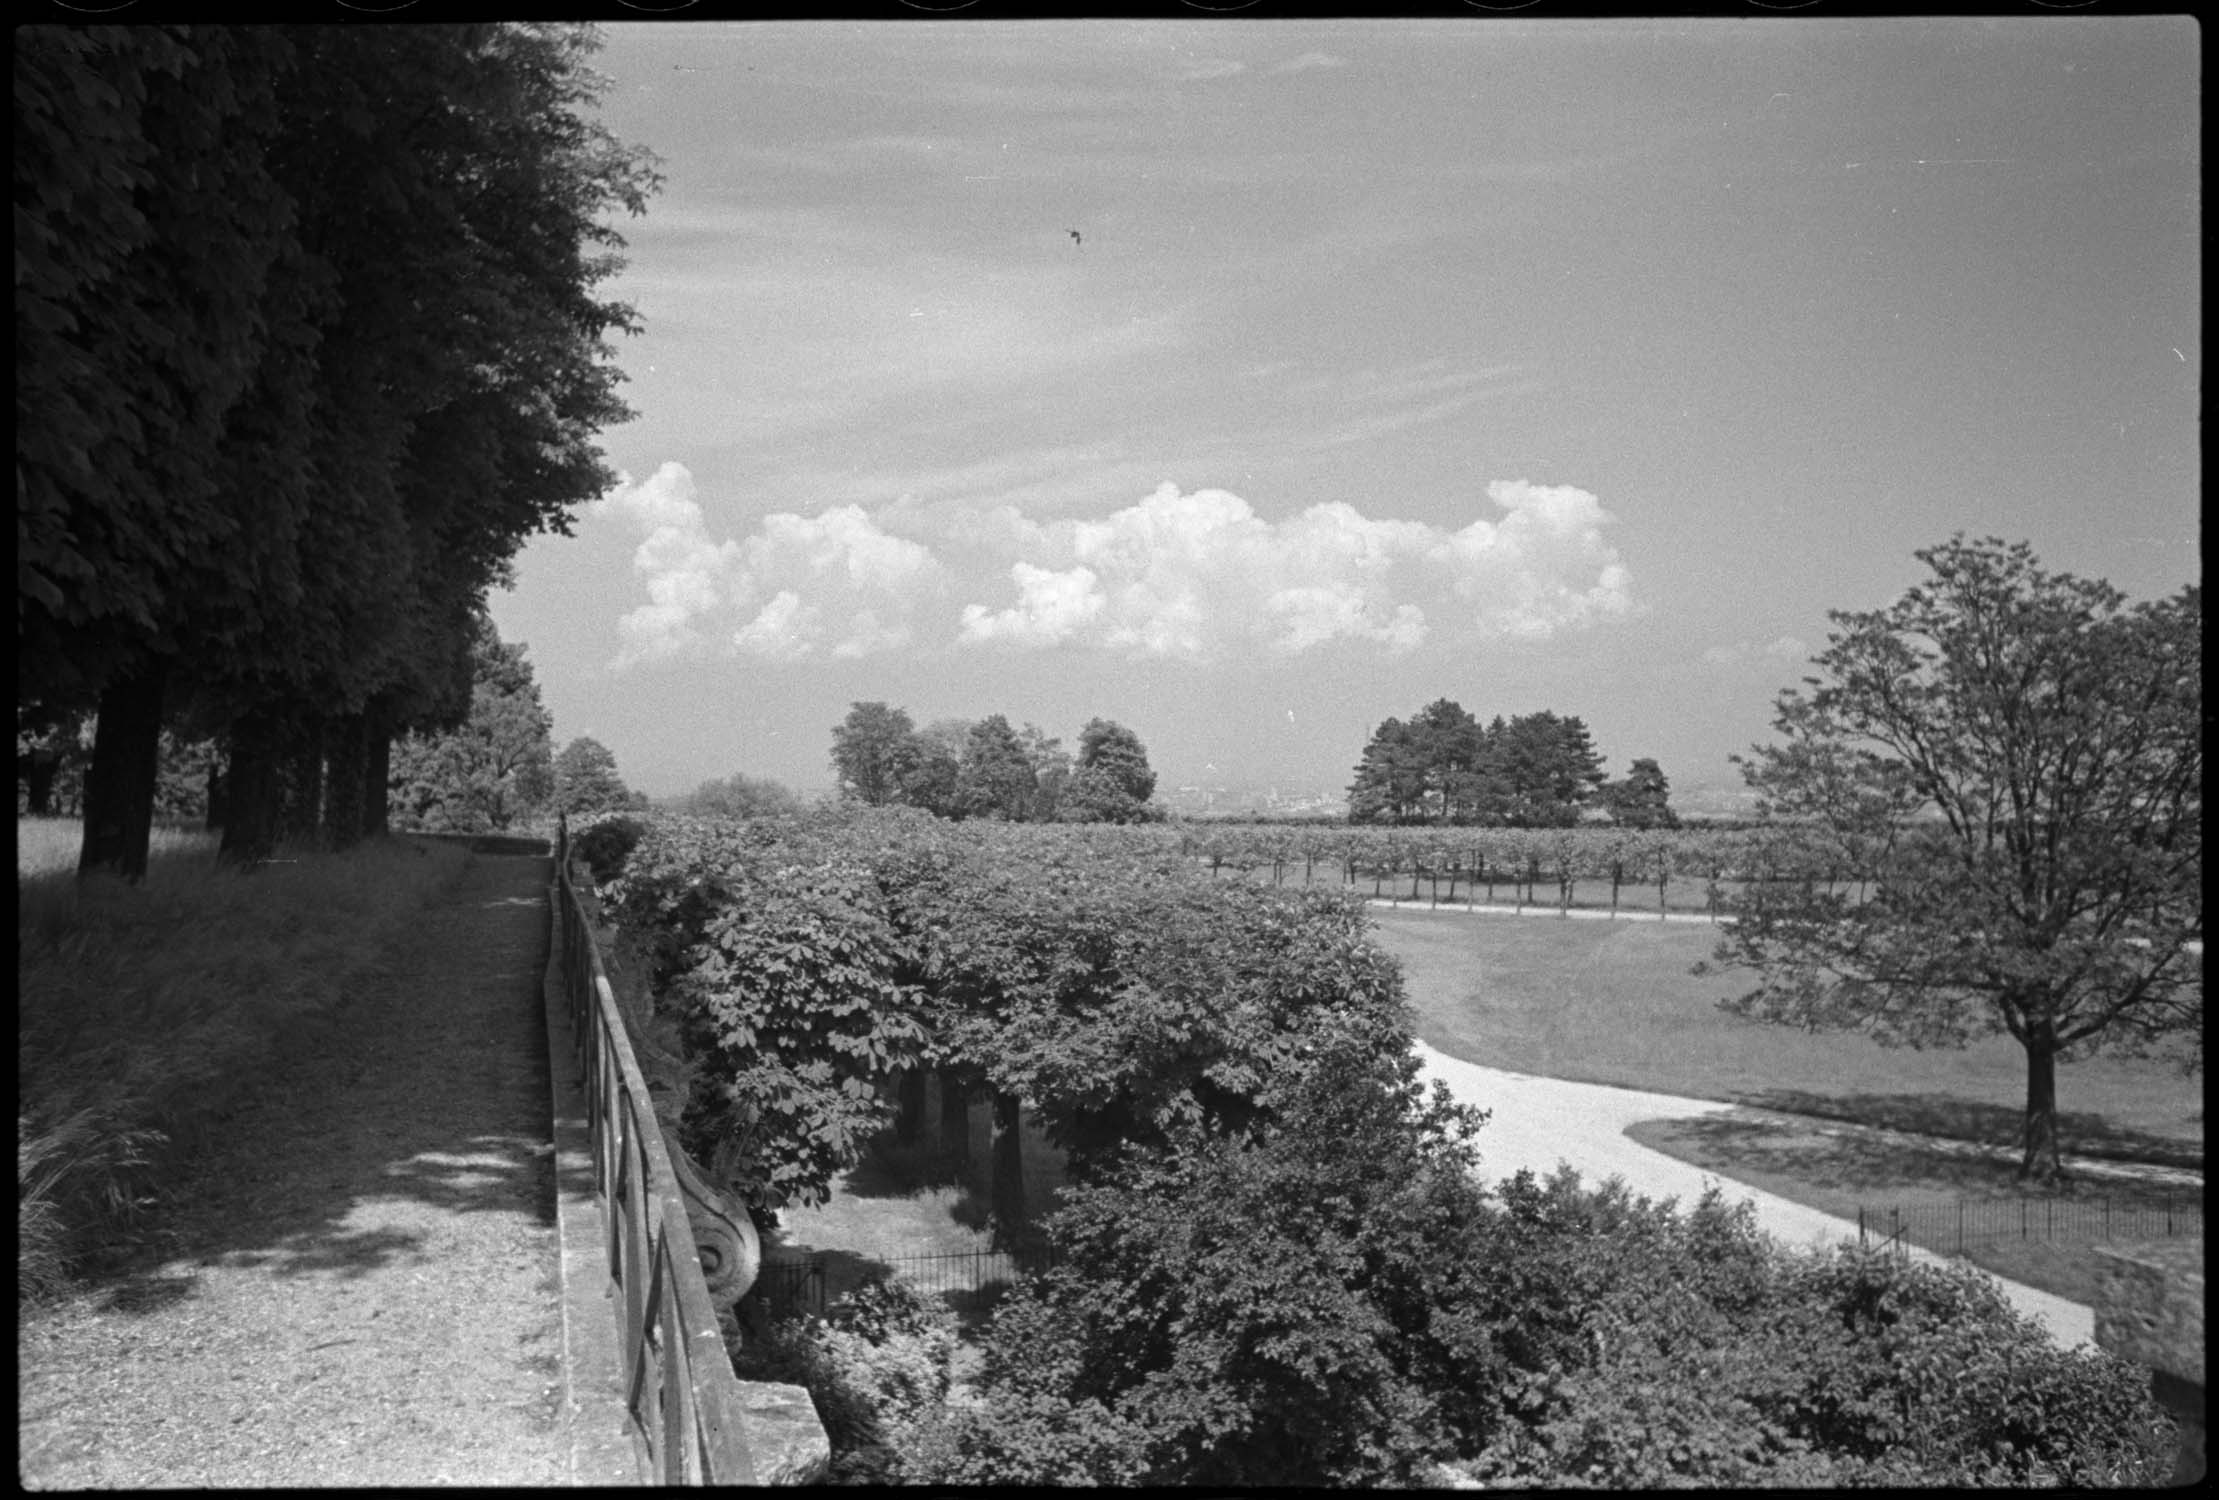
(2150, 1309)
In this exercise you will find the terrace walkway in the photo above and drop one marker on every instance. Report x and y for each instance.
(364, 1286)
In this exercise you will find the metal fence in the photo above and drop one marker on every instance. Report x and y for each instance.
(797, 1284)
(1954, 1228)
(680, 1392)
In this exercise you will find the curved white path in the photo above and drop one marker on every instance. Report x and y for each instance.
(1539, 1122)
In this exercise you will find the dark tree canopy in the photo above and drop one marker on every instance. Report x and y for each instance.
(869, 750)
(995, 779)
(1535, 771)
(1642, 799)
(321, 301)
(2016, 757)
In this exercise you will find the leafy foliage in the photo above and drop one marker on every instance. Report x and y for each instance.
(1535, 771)
(605, 844)
(740, 796)
(585, 779)
(877, 1370)
(1273, 1264)
(322, 301)
(492, 771)
(985, 769)
(784, 978)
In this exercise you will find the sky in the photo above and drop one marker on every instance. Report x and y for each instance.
(1248, 383)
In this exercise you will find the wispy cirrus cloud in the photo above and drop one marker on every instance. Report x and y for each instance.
(1180, 575)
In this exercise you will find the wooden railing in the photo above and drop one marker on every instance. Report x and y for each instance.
(680, 1392)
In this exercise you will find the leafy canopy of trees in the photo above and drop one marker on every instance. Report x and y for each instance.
(987, 769)
(586, 779)
(307, 345)
(739, 796)
(492, 771)
(1442, 766)
(2017, 756)
(1273, 1263)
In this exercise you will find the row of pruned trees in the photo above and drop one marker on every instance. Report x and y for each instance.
(308, 343)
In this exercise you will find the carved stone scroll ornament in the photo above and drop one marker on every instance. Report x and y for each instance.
(731, 1251)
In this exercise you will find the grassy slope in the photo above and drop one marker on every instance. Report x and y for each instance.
(1613, 1002)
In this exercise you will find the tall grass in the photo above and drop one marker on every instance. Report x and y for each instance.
(148, 1012)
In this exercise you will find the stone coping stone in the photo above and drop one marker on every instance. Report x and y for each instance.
(2150, 1305)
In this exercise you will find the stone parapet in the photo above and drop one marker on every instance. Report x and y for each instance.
(2150, 1309)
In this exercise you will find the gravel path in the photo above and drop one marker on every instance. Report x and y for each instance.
(364, 1288)
(1539, 1122)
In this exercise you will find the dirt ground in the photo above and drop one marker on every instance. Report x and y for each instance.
(358, 1284)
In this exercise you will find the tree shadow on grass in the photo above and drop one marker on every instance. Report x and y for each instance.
(1992, 1125)
(425, 1089)
(1848, 1161)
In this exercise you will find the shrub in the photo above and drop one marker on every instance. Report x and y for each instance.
(878, 1371)
(605, 845)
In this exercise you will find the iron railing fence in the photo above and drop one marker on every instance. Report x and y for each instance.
(1954, 1228)
(680, 1392)
(797, 1284)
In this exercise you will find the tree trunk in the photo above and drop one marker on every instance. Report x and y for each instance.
(955, 1121)
(345, 745)
(1006, 1195)
(909, 1114)
(377, 768)
(38, 768)
(119, 785)
(216, 783)
(303, 816)
(2041, 1162)
(251, 804)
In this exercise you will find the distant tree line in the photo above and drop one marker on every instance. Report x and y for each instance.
(955, 768)
(306, 347)
(1537, 770)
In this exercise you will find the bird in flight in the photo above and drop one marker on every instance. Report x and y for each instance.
(1075, 237)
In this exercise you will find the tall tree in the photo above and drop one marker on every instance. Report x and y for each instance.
(1390, 779)
(932, 768)
(1551, 768)
(1112, 781)
(869, 751)
(268, 275)
(586, 780)
(1051, 771)
(498, 766)
(996, 779)
(1642, 799)
(1451, 750)
(2016, 758)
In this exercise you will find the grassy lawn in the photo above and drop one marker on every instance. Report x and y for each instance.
(1953, 1203)
(146, 1012)
(1614, 1003)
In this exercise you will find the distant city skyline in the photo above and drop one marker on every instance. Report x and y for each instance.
(1248, 383)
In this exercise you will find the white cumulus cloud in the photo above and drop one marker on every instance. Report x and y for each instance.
(1192, 575)
(836, 582)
